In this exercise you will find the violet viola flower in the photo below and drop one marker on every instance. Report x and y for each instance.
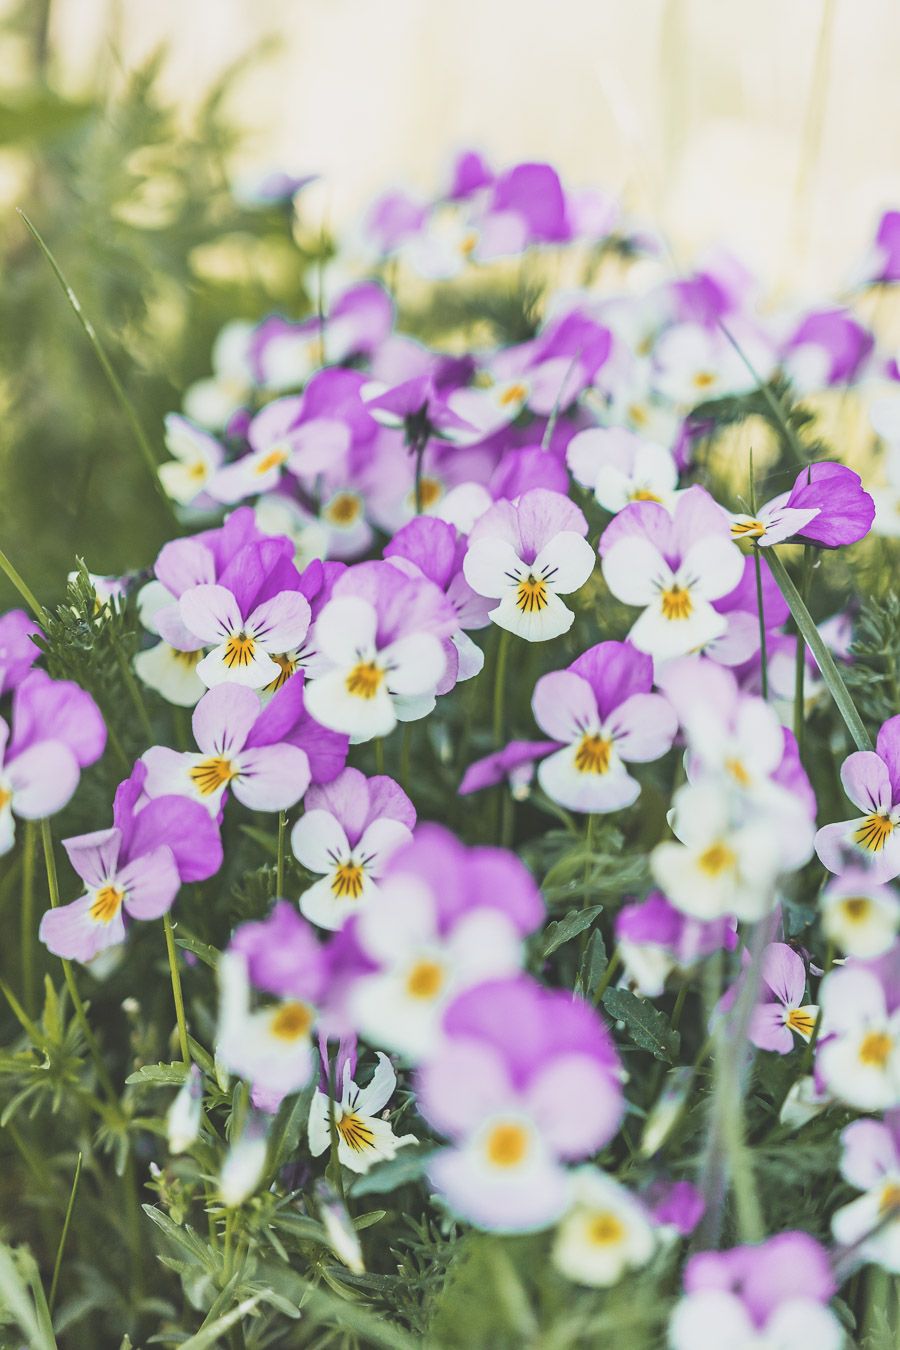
(57, 730)
(196, 457)
(784, 976)
(282, 955)
(420, 406)
(434, 549)
(871, 1163)
(380, 654)
(17, 651)
(655, 938)
(280, 438)
(601, 712)
(828, 347)
(284, 354)
(774, 1294)
(445, 917)
(526, 554)
(620, 467)
(524, 1080)
(235, 754)
(254, 613)
(133, 870)
(677, 1205)
(826, 506)
(514, 762)
(871, 780)
(673, 566)
(347, 832)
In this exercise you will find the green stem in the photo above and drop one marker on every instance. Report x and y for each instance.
(134, 693)
(763, 650)
(57, 1266)
(24, 590)
(279, 866)
(177, 994)
(69, 975)
(605, 981)
(800, 657)
(28, 865)
(825, 661)
(115, 384)
(500, 685)
(406, 756)
(332, 1127)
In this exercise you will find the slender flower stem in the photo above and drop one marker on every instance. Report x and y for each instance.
(332, 1126)
(57, 1265)
(28, 863)
(177, 994)
(134, 693)
(24, 589)
(606, 978)
(419, 451)
(279, 867)
(501, 792)
(80, 1011)
(800, 657)
(763, 650)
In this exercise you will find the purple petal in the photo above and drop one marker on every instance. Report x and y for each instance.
(643, 727)
(43, 779)
(432, 545)
(867, 781)
(272, 777)
(697, 515)
(45, 709)
(390, 802)
(541, 516)
(888, 748)
(183, 564)
(564, 705)
(94, 856)
(615, 671)
(70, 932)
(223, 718)
(151, 883)
(188, 830)
(211, 613)
(280, 715)
(846, 511)
(494, 768)
(575, 1078)
(785, 974)
(280, 624)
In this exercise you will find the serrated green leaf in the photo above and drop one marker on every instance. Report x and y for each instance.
(573, 923)
(646, 1025)
(171, 1075)
(202, 950)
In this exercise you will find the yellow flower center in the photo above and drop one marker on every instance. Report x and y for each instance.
(271, 461)
(425, 980)
(513, 393)
(354, 1131)
(605, 1229)
(347, 882)
(644, 495)
(365, 680)
(593, 754)
(430, 492)
(677, 603)
(239, 650)
(197, 470)
(890, 1199)
(715, 860)
(638, 414)
(531, 595)
(704, 379)
(874, 832)
(740, 775)
(5, 797)
(748, 529)
(876, 1049)
(801, 1021)
(190, 660)
(106, 904)
(287, 665)
(291, 1021)
(343, 509)
(467, 244)
(507, 1144)
(211, 774)
(856, 909)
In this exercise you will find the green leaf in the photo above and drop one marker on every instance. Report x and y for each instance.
(811, 636)
(207, 954)
(171, 1075)
(646, 1025)
(594, 964)
(210, 1335)
(185, 1238)
(573, 923)
(409, 1165)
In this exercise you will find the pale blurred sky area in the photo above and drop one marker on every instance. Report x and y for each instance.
(771, 124)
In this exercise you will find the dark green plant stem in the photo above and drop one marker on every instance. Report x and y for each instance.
(144, 447)
(57, 1265)
(24, 590)
(332, 1126)
(28, 862)
(826, 663)
(800, 656)
(279, 865)
(177, 994)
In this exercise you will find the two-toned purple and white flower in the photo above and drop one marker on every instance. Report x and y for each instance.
(871, 779)
(133, 870)
(523, 1081)
(526, 554)
(858, 1052)
(860, 916)
(654, 939)
(602, 713)
(870, 1162)
(826, 506)
(673, 566)
(196, 457)
(234, 755)
(783, 1010)
(606, 1232)
(57, 730)
(620, 467)
(364, 1136)
(347, 832)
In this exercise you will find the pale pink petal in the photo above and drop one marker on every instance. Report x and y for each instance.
(94, 856)
(43, 779)
(272, 777)
(211, 613)
(564, 705)
(643, 727)
(150, 883)
(866, 781)
(223, 718)
(70, 932)
(280, 624)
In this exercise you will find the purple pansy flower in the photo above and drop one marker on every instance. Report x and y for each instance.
(655, 938)
(827, 506)
(784, 977)
(871, 1163)
(524, 1080)
(526, 554)
(282, 955)
(676, 1204)
(240, 750)
(601, 713)
(196, 458)
(828, 347)
(774, 1294)
(284, 354)
(514, 762)
(379, 651)
(18, 652)
(133, 870)
(57, 731)
(871, 780)
(348, 830)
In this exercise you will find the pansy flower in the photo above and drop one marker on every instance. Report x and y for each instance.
(674, 567)
(605, 1233)
(514, 763)
(858, 1054)
(654, 938)
(196, 456)
(379, 649)
(286, 354)
(524, 1080)
(445, 917)
(602, 712)
(347, 832)
(364, 1136)
(870, 1161)
(871, 780)
(213, 401)
(133, 870)
(695, 364)
(57, 731)
(859, 915)
(620, 467)
(527, 554)
(826, 506)
(234, 755)
(18, 652)
(827, 347)
(784, 1011)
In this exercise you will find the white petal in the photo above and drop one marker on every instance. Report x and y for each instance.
(345, 629)
(415, 664)
(491, 567)
(536, 626)
(667, 638)
(712, 567)
(330, 703)
(218, 668)
(319, 841)
(566, 562)
(322, 906)
(634, 570)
